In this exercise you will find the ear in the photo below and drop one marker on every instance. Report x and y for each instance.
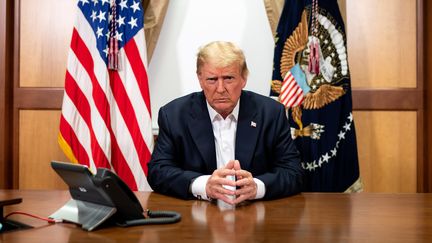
(244, 81)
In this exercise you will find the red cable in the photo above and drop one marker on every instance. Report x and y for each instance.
(49, 220)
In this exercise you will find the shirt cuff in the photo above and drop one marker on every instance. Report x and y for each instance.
(198, 187)
(260, 188)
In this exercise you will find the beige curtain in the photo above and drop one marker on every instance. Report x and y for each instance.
(273, 9)
(154, 15)
(342, 9)
(155, 11)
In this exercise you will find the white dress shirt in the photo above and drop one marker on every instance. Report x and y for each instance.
(224, 131)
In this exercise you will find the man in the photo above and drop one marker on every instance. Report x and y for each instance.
(224, 143)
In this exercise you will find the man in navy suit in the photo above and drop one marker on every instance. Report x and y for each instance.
(224, 143)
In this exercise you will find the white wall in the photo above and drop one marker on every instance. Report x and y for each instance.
(190, 24)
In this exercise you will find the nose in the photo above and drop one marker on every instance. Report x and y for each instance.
(220, 86)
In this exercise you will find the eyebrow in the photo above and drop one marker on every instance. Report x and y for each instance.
(227, 76)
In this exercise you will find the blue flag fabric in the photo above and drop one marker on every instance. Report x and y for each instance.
(322, 126)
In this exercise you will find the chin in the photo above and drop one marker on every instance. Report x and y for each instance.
(224, 109)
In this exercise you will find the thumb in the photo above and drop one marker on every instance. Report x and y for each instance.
(237, 165)
(230, 164)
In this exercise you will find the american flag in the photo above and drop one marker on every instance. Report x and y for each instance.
(292, 94)
(106, 118)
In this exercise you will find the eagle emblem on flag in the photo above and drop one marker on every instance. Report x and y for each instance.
(323, 87)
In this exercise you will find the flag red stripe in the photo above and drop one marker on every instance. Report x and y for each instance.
(84, 56)
(294, 96)
(291, 89)
(121, 166)
(117, 159)
(298, 98)
(139, 70)
(81, 103)
(286, 82)
(129, 116)
(68, 134)
(287, 93)
(291, 93)
(287, 85)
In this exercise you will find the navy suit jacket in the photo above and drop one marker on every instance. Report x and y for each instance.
(185, 147)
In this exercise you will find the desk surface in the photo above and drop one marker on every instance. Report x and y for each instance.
(307, 217)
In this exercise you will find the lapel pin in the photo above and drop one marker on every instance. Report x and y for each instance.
(253, 124)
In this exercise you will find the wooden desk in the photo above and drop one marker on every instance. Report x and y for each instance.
(308, 217)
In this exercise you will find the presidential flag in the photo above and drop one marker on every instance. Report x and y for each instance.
(106, 118)
(311, 35)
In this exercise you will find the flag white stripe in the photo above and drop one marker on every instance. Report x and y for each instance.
(287, 81)
(79, 74)
(81, 130)
(294, 98)
(137, 101)
(291, 92)
(287, 84)
(140, 38)
(290, 85)
(125, 143)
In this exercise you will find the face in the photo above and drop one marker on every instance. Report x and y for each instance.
(222, 87)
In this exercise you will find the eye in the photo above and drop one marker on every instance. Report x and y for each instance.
(229, 79)
(211, 80)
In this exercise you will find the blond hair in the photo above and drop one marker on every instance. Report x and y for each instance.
(222, 54)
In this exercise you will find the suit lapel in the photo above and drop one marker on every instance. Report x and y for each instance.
(247, 130)
(201, 130)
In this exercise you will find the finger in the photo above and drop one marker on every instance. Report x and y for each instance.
(226, 191)
(221, 186)
(216, 192)
(243, 174)
(245, 182)
(223, 182)
(237, 165)
(230, 164)
(247, 187)
(245, 194)
(249, 190)
(218, 196)
(226, 172)
(221, 193)
(240, 199)
(222, 173)
(228, 200)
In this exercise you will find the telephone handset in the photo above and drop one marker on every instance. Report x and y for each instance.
(105, 197)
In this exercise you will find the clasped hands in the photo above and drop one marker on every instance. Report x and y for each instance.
(245, 186)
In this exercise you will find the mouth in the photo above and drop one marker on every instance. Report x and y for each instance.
(221, 100)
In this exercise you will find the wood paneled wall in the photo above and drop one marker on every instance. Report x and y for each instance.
(44, 41)
(427, 10)
(387, 150)
(385, 47)
(6, 55)
(2, 90)
(382, 43)
(38, 130)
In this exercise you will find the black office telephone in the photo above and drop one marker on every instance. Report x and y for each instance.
(103, 197)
